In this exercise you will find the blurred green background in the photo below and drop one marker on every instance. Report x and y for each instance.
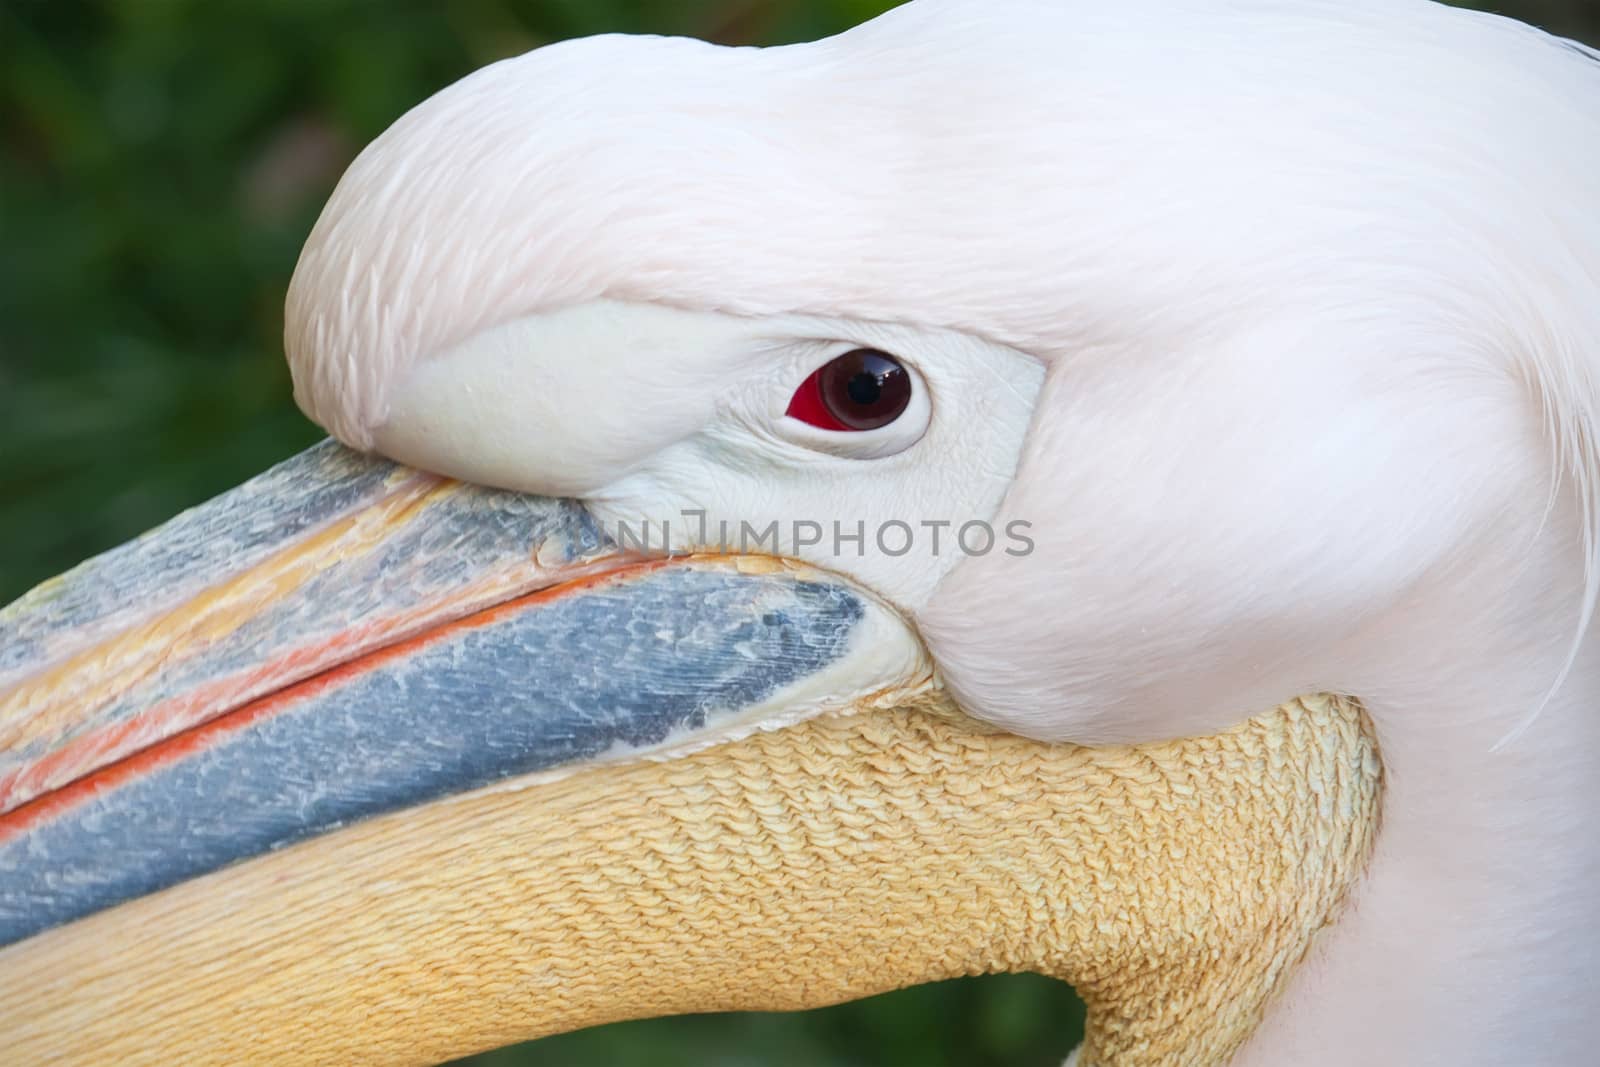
(160, 163)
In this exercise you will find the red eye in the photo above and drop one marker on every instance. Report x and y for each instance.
(860, 390)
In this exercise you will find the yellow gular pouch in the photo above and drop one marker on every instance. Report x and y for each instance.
(1174, 885)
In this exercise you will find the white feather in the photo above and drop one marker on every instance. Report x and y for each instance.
(1316, 284)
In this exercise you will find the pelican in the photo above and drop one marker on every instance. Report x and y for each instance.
(1244, 355)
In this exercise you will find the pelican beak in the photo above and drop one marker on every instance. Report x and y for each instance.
(343, 637)
(358, 764)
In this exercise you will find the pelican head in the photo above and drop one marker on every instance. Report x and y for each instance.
(985, 491)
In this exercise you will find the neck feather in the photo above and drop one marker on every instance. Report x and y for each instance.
(1473, 937)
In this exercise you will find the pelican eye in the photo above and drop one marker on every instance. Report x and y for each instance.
(860, 390)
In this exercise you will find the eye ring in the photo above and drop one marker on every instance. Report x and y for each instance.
(862, 389)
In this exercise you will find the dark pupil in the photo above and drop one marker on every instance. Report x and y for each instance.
(865, 389)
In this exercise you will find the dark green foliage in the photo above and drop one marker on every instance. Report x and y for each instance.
(999, 1021)
(160, 163)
